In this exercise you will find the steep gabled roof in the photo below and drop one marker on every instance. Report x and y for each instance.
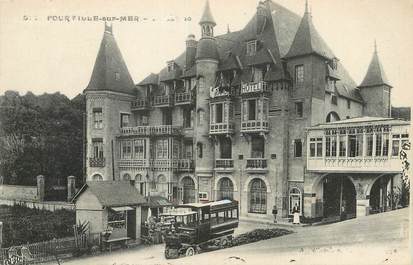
(375, 75)
(151, 79)
(308, 41)
(113, 193)
(110, 72)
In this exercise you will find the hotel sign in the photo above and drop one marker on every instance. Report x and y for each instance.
(253, 87)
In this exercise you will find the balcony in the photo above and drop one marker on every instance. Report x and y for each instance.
(166, 130)
(256, 87)
(183, 98)
(254, 126)
(355, 164)
(221, 128)
(224, 165)
(140, 104)
(135, 131)
(163, 101)
(184, 165)
(256, 165)
(96, 162)
(133, 163)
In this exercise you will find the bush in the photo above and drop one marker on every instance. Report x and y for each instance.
(24, 225)
(259, 234)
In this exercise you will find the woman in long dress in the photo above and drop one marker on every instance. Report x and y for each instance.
(296, 214)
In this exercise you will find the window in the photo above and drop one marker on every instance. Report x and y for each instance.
(226, 189)
(126, 147)
(332, 116)
(348, 104)
(97, 144)
(139, 149)
(258, 197)
(124, 120)
(251, 47)
(342, 145)
(162, 148)
(98, 118)
(316, 147)
(225, 147)
(298, 148)
(369, 139)
(203, 196)
(257, 147)
(398, 142)
(171, 66)
(218, 113)
(355, 145)
(333, 99)
(199, 148)
(166, 117)
(299, 109)
(187, 118)
(252, 108)
(331, 146)
(201, 116)
(295, 200)
(299, 74)
(188, 150)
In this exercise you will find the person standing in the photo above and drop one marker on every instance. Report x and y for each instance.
(296, 214)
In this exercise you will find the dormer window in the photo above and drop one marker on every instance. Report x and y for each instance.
(334, 64)
(251, 47)
(171, 66)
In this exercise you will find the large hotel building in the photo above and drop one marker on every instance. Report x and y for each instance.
(266, 115)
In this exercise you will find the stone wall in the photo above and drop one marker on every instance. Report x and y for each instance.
(15, 192)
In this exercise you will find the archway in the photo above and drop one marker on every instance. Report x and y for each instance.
(257, 196)
(225, 189)
(381, 194)
(188, 186)
(126, 177)
(339, 197)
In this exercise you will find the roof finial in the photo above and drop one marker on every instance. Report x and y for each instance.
(375, 46)
(228, 30)
(306, 6)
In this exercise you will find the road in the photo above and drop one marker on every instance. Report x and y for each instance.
(374, 239)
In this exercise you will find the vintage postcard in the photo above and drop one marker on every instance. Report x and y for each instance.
(205, 132)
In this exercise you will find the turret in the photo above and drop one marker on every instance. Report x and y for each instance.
(108, 100)
(207, 60)
(375, 89)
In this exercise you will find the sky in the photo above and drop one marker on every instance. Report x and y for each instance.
(42, 54)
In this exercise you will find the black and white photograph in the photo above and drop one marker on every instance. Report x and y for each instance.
(172, 132)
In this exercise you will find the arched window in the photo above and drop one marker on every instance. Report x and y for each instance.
(226, 189)
(258, 197)
(126, 177)
(295, 200)
(162, 185)
(332, 116)
(97, 177)
(188, 186)
(140, 184)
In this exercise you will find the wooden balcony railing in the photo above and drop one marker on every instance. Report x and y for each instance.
(137, 130)
(163, 101)
(224, 163)
(254, 87)
(256, 163)
(183, 98)
(166, 130)
(133, 163)
(221, 128)
(97, 162)
(254, 126)
(140, 104)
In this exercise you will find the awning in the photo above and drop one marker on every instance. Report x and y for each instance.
(157, 202)
(121, 208)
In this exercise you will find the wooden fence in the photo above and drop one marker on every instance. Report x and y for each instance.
(48, 250)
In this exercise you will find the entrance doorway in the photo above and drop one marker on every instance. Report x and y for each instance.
(339, 197)
(381, 195)
(188, 190)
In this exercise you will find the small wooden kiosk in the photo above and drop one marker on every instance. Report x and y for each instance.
(113, 209)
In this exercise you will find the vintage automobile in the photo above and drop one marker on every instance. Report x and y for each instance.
(195, 226)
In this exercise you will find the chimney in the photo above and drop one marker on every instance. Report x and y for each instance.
(261, 17)
(191, 44)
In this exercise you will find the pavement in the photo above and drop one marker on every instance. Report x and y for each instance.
(375, 239)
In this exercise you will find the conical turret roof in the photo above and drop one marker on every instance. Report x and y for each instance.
(207, 15)
(375, 75)
(308, 41)
(110, 72)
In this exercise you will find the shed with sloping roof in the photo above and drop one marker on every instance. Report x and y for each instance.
(112, 208)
